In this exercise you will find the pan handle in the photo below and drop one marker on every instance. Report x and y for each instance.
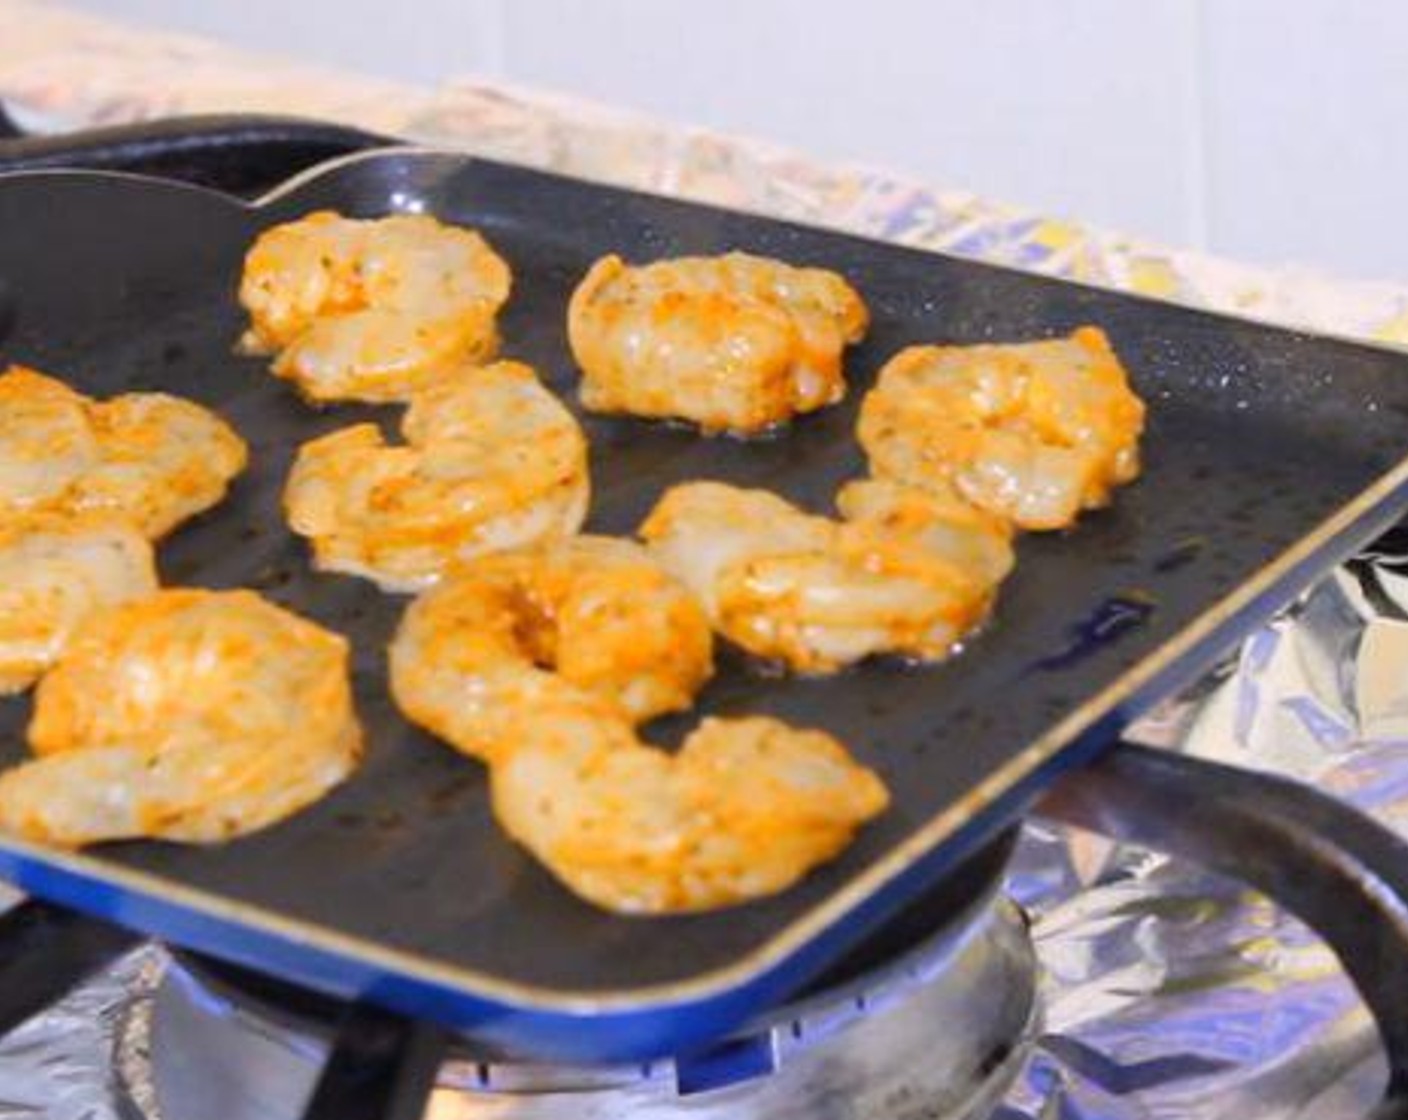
(1343, 874)
(240, 154)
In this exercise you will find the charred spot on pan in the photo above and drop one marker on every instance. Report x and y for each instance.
(1109, 621)
(1183, 552)
(1245, 513)
(453, 792)
(273, 576)
(388, 820)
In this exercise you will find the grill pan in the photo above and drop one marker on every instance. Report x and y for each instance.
(1269, 455)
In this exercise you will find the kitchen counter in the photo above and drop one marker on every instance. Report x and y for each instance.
(61, 69)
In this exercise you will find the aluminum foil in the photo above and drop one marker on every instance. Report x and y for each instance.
(1169, 992)
(59, 1065)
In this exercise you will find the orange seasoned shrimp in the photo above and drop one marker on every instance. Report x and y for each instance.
(152, 459)
(938, 520)
(743, 810)
(735, 343)
(1034, 432)
(591, 615)
(905, 573)
(492, 460)
(56, 571)
(541, 662)
(371, 310)
(184, 715)
(47, 441)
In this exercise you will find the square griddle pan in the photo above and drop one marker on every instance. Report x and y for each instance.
(1269, 455)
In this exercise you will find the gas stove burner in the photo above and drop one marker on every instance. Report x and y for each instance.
(936, 1032)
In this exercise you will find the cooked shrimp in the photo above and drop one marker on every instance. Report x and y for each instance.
(590, 615)
(47, 442)
(1035, 432)
(55, 571)
(492, 460)
(745, 809)
(733, 343)
(541, 661)
(905, 573)
(152, 459)
(185, 715)
(371, 310)
(936, 519)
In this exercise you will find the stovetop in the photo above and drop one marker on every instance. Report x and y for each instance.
(1169, 991)
(932, 1019)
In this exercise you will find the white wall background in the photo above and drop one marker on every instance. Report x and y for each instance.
(1270, 130)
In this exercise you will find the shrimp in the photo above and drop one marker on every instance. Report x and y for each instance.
(602, 617)
(492, 460)
(184, 715)
(906, 572)
(734, 343)
(936, 519)
(371, 310)
(542, 661)
(1034, 432)
(55, 571)
(47, 441)
(152, 459)
(744, 810)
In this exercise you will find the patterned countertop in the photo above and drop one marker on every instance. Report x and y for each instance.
(61, 69)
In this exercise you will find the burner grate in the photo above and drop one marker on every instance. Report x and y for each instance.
(936, 1035)
(46, 951)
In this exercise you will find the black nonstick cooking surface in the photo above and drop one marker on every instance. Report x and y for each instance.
(399, 884)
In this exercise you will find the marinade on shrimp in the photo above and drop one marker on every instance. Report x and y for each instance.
(56, 571)
(371, 310)
(491, 460)
(734, 343)
(1035, 432)
(542, 661)
(744, 809)
(905, 572)
(184, 715)
(149, 458)
(590, 617)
